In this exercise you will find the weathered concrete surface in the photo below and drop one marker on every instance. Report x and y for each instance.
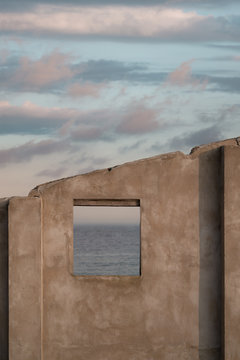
(173, 310)
(24, 279)
(3, 279)
(154, 316)
(232, 252)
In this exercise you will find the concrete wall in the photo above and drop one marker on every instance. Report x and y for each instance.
(3, 279)
(175, 309)
(25, 279)
(232, 252)
(118, 318)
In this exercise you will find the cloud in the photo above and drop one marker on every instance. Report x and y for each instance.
(199, 137)
(79, 125)
(110, 70)
(4, 54)
(128, 148)
(232, 47)
(56, 73)
(214, 127)
(138, 120)
(89, 159)
(222, 58)
(24, 5)
(32, 119)
(34, 75)
(30, 5)
(89, 125)
(52, 173)
(87, 79)
(95, 21)
(86, 133)
(221, 122)
(225, 83)
(87, 89)
(159, 147)
(105, 124)
(224, 117)
(182, 76)
(120, 21)
(27, 151)
(66, 127)
(187, 140)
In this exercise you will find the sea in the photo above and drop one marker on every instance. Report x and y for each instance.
(107, 249)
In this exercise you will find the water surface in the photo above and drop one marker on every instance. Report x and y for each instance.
(106, 250)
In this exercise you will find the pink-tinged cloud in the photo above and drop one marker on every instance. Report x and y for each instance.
(236, 58)
(87, 89)
(37, 74)
(30, 109)
(65, 129)
(119, 21)
(27, 151)
(30, 118)
(182, 76)
(86, 133)
(139, 120)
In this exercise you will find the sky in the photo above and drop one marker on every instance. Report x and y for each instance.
(98, 215)
(89, 84)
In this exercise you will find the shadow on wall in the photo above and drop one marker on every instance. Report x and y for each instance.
(4, 280)
(210, 280)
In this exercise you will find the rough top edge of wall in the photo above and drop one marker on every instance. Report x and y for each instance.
(40, 188)
(6, 200)
(194, 153)
(197, 150)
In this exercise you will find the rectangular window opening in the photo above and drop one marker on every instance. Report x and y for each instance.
(107, 238)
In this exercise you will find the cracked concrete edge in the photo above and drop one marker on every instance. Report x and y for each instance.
(194, 153)
(197, 150)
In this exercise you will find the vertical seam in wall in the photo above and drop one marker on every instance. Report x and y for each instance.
(9, 275)
(6, 345)
(222, 178)
(41, 279)
(70, 245)
(8, 280)
(140, 240)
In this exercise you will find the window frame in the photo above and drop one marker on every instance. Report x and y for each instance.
(110, 203)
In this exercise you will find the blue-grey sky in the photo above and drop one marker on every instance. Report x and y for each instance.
(90, 84)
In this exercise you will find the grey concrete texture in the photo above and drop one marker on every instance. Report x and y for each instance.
(175, 309)
(25, 279)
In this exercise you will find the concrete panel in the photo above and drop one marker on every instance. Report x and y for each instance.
(232, 252)
(25, 279)
(154, 316)
(174, 309)
(3, 279)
